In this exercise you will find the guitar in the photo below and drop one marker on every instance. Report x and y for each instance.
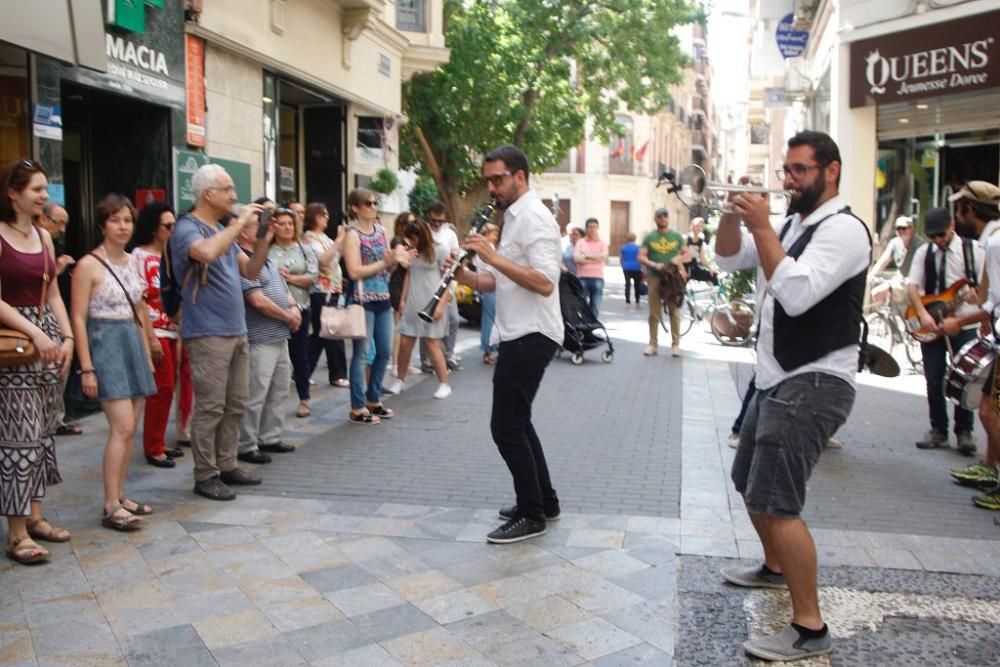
(940, 306)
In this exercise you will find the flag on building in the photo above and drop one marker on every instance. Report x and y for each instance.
(640, 153)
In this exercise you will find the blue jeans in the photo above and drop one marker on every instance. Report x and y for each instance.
(379, 327)
(488, 315)
(593, 289)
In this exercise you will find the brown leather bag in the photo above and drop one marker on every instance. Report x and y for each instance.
(16, 348)
(672, 285)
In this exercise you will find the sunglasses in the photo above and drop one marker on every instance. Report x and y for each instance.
(496, 180)
(371, 203)
(167, 225)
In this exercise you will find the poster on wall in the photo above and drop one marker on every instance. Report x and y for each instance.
(195, 53)
(47, 122)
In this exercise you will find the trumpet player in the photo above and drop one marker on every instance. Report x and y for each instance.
(811, 273)
(524, 273)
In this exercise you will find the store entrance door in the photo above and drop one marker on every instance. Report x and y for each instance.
(111, 143)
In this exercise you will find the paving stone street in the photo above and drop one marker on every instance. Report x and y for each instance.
(366, 545)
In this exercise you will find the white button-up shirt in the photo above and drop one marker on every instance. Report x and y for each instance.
(530, 237)
(991, 246)
(839, 250)
(954, 269)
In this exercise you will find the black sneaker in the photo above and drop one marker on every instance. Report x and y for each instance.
(240, 477)
(254, 456)
(214, 489)
(516, 530)
(276, 447)
(508, 513)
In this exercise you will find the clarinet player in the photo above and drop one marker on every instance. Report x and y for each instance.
(524, 273)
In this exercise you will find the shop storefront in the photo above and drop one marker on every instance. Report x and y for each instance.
(118, 128)
(936, 89)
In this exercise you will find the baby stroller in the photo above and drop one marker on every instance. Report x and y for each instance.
(580, 327)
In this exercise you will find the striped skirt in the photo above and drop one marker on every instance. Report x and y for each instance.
(30, 403)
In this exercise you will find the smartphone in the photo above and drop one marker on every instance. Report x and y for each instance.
(265, 221)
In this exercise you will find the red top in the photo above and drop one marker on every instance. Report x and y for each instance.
(151, 273)
(21, 275)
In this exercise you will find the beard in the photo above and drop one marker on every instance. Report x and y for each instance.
(808, 197)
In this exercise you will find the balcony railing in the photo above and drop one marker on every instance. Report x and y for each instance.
(621, 166)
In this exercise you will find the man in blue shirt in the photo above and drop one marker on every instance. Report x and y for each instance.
(213, 326)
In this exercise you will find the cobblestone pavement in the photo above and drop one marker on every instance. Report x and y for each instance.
(365, 547)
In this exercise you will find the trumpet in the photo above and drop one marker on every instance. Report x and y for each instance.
(693, 188)
(484, 215)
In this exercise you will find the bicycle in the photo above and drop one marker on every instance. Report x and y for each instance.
(887, 329)
(732, 321)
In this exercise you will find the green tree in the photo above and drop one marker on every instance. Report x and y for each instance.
(531, 73)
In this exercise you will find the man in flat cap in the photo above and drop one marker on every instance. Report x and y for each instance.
(976, 209)
(937, 265)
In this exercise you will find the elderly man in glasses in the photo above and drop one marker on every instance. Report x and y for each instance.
(936, 266)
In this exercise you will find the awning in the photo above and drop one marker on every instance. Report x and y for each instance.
(68, 30)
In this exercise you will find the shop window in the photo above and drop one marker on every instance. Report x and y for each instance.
(410, 15)
(14, 125)
(371, 140)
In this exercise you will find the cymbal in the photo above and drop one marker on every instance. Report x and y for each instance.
(880, 362)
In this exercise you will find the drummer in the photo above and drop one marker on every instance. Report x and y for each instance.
(936, 266)
(976, 209)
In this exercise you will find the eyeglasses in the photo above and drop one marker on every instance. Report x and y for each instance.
(496, 180)
(797, 170)
(437, 221)
(228, 188)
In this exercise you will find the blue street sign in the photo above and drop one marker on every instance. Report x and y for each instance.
(791, 42)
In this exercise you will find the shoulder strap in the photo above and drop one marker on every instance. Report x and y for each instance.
(970, 262)
(135, 313)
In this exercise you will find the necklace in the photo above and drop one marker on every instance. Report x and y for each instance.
(120, 260)
(25, 233)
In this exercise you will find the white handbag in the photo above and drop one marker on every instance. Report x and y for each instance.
(343, 322)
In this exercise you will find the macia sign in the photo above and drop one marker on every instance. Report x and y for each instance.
(952, 57)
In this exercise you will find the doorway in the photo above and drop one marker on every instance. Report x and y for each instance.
(620, 211)
(111, 143)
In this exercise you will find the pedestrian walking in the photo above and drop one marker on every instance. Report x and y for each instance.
(422, 279)
(207, 260)
(31, 392)
(112, 325)
(153, 229)
(524, 272)
(328, 290)
(590, 255)
(299, 267)
(369, 261)
(629, 258)
(812, 269)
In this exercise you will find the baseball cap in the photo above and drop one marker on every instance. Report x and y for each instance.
(937, 221)
(978, 191)
(904, 221)
(661, 211)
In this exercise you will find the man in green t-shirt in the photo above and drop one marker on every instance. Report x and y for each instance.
(661, 247)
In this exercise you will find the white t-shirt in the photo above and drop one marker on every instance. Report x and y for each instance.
(530, 238)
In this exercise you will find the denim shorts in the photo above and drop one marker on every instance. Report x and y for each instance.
(783, 435)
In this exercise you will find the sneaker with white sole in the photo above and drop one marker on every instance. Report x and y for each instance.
(753, 577)
(734, 440)
(675, 350)
(789, 644)
(394, 387)
(443, 391)
(833, 443)
(650, 350)
(516, 530)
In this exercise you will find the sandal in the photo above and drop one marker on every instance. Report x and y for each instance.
(489, 359)
(122, 523)
(381, 411)
(140, 508)
(363, 418)
(69, 429)
(51, 534)
(26, 552)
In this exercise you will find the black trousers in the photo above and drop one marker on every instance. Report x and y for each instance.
(633, 278)
(336, 357)
(935, 356)
(520, 366)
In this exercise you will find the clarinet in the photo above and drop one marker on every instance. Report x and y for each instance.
(464, 256)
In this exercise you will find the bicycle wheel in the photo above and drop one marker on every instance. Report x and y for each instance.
(688, 316)
(732, 323)
(882, 331)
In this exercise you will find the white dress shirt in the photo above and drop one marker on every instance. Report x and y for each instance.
(954, 269)
(530, 237)
(991, 246)
(839, 250)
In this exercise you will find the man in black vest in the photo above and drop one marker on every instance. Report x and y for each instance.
(811, 276)
(961, 259)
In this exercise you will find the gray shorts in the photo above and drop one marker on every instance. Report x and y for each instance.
(784, 432)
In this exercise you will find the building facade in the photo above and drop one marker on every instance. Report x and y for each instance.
(619, 182)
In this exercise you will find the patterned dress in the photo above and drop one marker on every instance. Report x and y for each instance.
(31, 396)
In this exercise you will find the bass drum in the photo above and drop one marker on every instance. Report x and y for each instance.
(964, 381)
